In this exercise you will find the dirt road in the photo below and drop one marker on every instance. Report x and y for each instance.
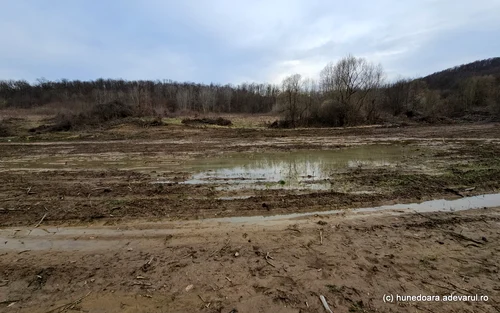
(353, 259)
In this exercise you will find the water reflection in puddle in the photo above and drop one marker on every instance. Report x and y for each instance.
(309, 169)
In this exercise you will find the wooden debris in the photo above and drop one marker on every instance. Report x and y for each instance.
(147, 265)
(268, 256)
(207, 304)
(464, 238)
(141, 283)
(69, 306)
(452, 190)
(325, 304)
(320, 237)
(43, 217)
(218, 251)
(9, 301)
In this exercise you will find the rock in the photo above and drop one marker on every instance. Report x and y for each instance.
(189, 287)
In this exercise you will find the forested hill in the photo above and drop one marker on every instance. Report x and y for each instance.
(452, 77)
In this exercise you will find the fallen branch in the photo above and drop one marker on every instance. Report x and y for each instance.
(141, 283)
(267, 257)
(147, 265)
(70, 305)
(325, 304)
(217, 251)
(462, 237)
(207, 304)
(43, 217)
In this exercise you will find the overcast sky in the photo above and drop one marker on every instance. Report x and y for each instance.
(232, 41)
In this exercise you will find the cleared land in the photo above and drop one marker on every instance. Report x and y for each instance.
(121, 214)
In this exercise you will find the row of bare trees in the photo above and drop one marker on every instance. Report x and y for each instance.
(349, 92)
(148, 96)
(354, 91)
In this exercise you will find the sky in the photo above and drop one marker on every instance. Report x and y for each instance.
(235, 41)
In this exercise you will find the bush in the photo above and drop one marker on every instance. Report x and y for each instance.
(99, 114)
(209, 121)
(113, 110)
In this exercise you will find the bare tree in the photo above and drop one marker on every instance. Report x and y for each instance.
(227, 95)
(352, 82)
(289, 99)
(183, 99)
(311, 97)
(207, 98)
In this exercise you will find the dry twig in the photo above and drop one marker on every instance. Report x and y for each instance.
(43, 217)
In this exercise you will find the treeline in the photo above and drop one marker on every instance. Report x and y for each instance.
(351, 91)
(354, 91)
(146, 96)
(452, 78)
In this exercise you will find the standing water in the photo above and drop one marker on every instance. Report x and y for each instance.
(307, 169)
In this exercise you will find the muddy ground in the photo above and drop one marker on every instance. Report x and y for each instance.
(85, 190)
(75, 180)
(352, 259)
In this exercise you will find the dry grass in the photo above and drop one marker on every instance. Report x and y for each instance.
(45, 111)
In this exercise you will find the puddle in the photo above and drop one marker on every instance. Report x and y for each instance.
(234, 198)
(309, 169)
(92, 238)
(441, 205)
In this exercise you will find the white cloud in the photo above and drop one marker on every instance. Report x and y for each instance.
(235, 40)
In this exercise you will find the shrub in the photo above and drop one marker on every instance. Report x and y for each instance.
(209, 121)
(113, 110)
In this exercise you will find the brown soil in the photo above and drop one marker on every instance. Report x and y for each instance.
(75, 180)
(136, 246)
(351, 259)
